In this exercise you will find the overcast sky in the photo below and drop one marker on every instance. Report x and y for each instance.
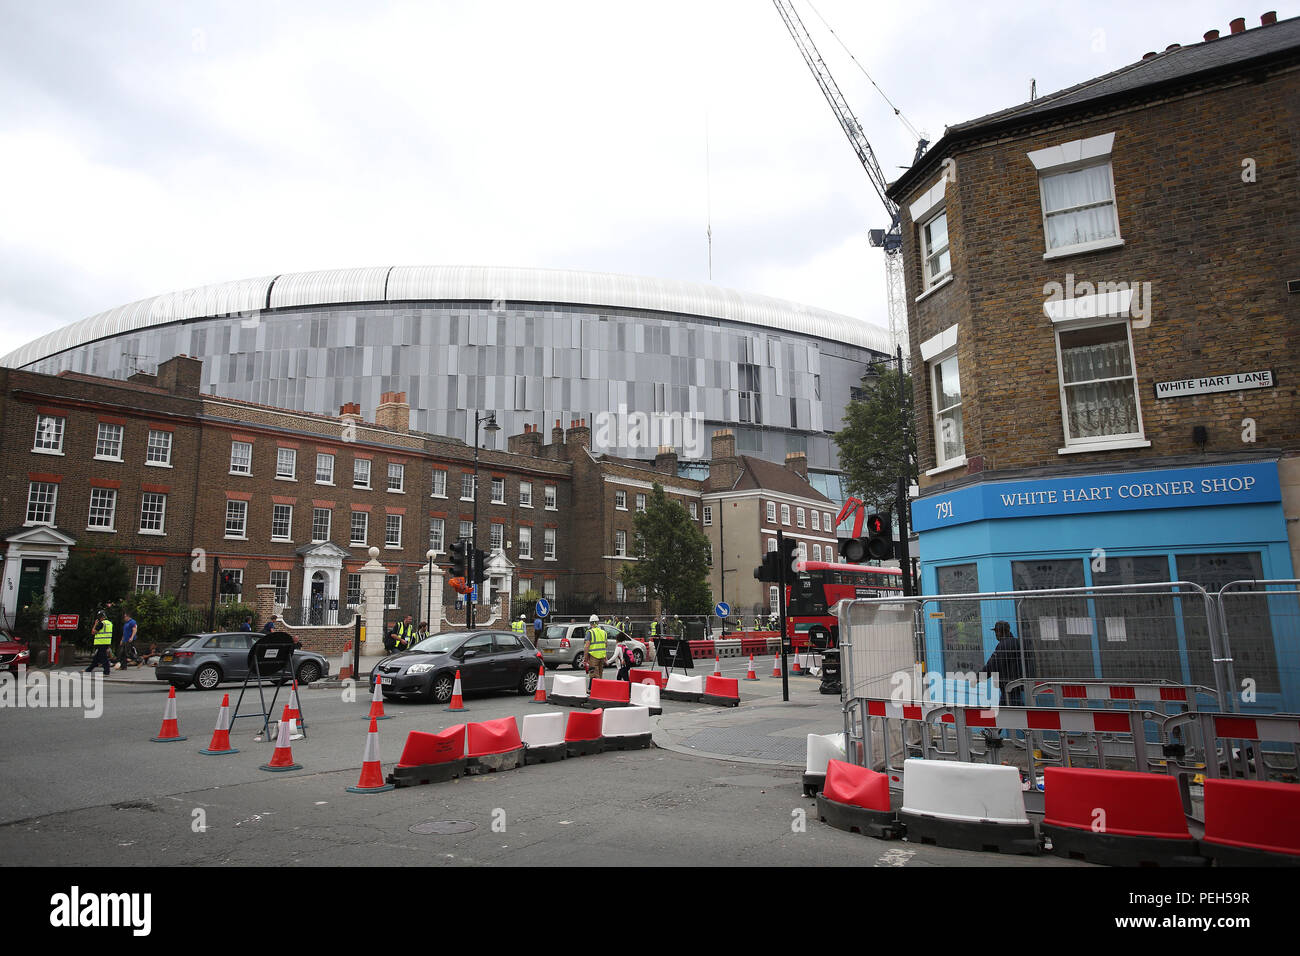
(150, 147)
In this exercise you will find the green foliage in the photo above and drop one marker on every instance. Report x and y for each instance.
(230, 617)
(27, 621)
(90, 580)
(876, 438)
(672, 557)
(161, 619)
(526, 604)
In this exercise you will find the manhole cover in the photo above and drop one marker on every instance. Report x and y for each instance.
(444, 826)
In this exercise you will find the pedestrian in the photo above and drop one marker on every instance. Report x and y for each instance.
(539, 625)
(519, 626)
(1004, 664)
(269, 627)
(128, 652)
(102, 631)
(401, 636)
(621, 660)
(248, 624)
(422, 631)
(597, 644)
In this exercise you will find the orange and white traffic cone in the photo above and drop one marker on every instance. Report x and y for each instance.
(220, 745)
(456, 702)
(282, 759)
(170, 728)
(345, 667)
(372, 772)
(794, 668)
(295, 715)
(751, 675)
(776, 666)
(717, 666)
(377, 702)
(540, 696)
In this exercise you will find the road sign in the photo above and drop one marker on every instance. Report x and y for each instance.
(543, 607)
(63, 622)
(723, 609)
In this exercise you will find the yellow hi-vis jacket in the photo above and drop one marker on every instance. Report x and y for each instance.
(596, 641)
(517, 627)
(104, 633)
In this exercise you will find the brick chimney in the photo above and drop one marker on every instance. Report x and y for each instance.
(529, 443)
(351, 412)
(797, 461)
(393, 412)
(579, 434)
(666, 460)
(724, 469)
(181, 375)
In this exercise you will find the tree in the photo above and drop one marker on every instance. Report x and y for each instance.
(88, 581)
(672, 557)
(875, 439)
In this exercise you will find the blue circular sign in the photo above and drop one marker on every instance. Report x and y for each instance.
(722, 610)
(543, 607)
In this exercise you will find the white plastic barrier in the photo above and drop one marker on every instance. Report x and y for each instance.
(823, 748)
(679, 684)
(569, 686)
(543, 730)
(971, 792)
(645, 695)
(625, 722)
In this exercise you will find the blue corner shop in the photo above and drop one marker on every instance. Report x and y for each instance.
(1209, 525)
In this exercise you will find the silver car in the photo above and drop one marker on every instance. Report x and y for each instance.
(567, 644)
(205, 660)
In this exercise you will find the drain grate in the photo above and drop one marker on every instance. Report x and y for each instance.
(444, 826)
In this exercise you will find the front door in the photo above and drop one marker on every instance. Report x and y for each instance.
(31, 582)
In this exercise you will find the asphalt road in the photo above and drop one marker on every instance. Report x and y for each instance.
(77, 791)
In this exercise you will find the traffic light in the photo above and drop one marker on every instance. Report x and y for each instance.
(480, 567)
(878, 542)
(790, 556)
(459, 555)
(770, 569)
(786, 556)
(229, 583)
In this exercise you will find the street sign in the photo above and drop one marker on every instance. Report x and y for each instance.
(543, 607)
(63, 622)
(723, 609)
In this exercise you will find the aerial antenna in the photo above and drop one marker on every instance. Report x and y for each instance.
(1033, 89)
(708, 194)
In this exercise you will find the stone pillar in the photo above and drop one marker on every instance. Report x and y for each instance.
(264, 606)
(372, 605)
(435, 616)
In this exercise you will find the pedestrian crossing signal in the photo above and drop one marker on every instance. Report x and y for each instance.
(229, 583)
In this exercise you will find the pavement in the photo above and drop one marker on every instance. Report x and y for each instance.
(764, 729)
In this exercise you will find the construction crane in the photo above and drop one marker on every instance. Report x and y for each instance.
(891, 239)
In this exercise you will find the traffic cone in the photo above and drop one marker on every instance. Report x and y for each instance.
(751, 675)
(377, 702)
(456, 702)
(345, 666)
(794, 668)
(372, 772)
(295, 715)
(776, 666)
(220, 745)
(282, 759)
(717, 666)
(170, 729)
(540, 696)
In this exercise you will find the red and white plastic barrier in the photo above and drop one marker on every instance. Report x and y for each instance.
(721, 691)
(568, 690)
(626, 728)
(645, 695)
(966, 806)
(431, 757)
(821, 749)
(609, 693)
(681, 687)
(543, 737)
(857, 800)
(493, 745)
(1252, 823)
(582, 734)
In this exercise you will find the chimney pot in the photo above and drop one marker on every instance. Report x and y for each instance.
(1172, 46)
(1268, 19)
(1238, 25)
(1211, 35)
(1148, 56)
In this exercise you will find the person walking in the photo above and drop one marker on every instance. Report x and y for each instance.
(1004, 664)
(247, 625)
(597, 648)
(621, 660)
(519, 626)
(127, 652)
(539, 625)
(102, 630)
(269, 626)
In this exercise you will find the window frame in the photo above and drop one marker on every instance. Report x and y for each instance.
(438, 538)
(235, 446)
(150, 446)
(53, 503)
(550, 545)
(154, 587)
(329, 524)
(552, 497)
(1101, 442)
(118, 442)
(358, 464)
(271, 579)
(145, 496)
(525, 538)
(932, 279)
(438, 473)
(60, 428)
(242, 508)
(365, 529)
(525, 494)
(400, 474)
(324, 456)
(111, 494)
(287, 456)
(620, 500)
(941, 462)
(288, 534)
(388, 531)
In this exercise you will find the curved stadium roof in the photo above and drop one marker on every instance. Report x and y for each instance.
(454, 283)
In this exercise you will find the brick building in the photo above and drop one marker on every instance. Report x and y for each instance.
(1103, 335)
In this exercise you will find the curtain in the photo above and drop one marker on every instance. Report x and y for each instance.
(1064, 193)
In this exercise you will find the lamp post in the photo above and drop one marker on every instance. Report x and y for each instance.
(488, 423)
(428, 589)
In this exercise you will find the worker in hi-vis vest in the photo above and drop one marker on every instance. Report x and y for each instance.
(518, 626)
(596, 648)
(103, 632)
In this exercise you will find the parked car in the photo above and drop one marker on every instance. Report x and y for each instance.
(13, 651)
(567, 644)
(487, 660)
(205, 660)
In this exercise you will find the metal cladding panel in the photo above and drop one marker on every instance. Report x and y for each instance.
(329, 286)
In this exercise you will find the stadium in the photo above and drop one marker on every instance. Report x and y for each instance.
(531, 345)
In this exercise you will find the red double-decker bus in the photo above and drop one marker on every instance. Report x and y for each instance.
(819, 586)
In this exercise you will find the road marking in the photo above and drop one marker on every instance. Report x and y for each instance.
(896, 858)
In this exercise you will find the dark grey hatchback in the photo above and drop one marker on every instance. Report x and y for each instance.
(487, 660)
(205, 660)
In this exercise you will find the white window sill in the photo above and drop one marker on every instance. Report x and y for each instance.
(947, 466)
(360, 487)
(102, 530)
(38, 524)
(947, 278)
(46, 451)
(392, 547)
(326, 484)
(466, 499)
(550, 559)
(157, 464)
(285, 478)
(116, 458)
(524, 557)
(275, 540)
(440, 497)
(522, 505)
(358, 544)
(1113, 242)
(496, 502)
(236, 537)
(157, 534)
(243, 474)
(1104, 446)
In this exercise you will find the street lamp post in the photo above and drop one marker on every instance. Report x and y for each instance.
(488, 423)
(428, 614)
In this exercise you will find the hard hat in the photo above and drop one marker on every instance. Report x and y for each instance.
(594, 619)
